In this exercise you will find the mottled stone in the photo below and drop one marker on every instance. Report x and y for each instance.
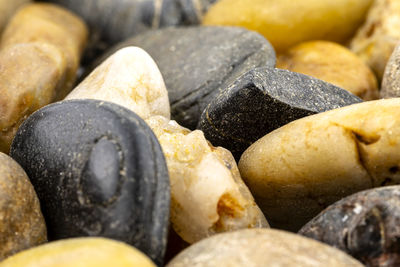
(301, 168)
(331, 63)
(261, 247)
(391, 78)
(377, 38)
(98, 170)
(197, 61)
(208, 194)
(129, 78)
(80, 252)
(286, 23)
(7, 9)
(21, 221)
(261, 101)
(30, 75)
(112, 21)
(53, 25)
(364, 225)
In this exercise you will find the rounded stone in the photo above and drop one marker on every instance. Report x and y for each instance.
(257, 247)
(112, 21)
(98, 170)
(377, 38)
(286, 23)
(196, 62)
(301, 168)
(364, 225)
(262, 100)
(391, 81)
(331, 63)
(22, 224)
(7, 9)
(129, 78)
(80, 252)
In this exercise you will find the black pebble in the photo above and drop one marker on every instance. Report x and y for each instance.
(263, 100)
(198, 61)
(98, 170)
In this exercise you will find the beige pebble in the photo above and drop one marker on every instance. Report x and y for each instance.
(7, 9)
(130, 78)
(391, 78)
(30, 75)
(208, 194)
(299, 169)
(50, 24)
(377, 38)
(80, 252)
(261, 247)
(332, 63)
(22, 224)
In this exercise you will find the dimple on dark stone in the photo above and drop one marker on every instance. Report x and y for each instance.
(197, 62)
(263, 100)
(98, 170)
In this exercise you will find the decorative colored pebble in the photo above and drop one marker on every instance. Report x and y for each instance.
(258, 247)
(364, 225)
(301, 168)
(332, 63)
(98, 170)
(261, 101)
(80, 252)
(21, 221)
(286, 23)
(196, 62)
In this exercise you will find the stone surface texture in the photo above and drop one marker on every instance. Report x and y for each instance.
(364, 225)
(98, 170)
(286, 23)
(196, 62)
(301, 168)
(7, 9)
(208, 194)
(262, 100)
(258, 247)
(129, 78)
(377, 38)
(331, 63)
(80, 252)
(21, 221)
(391, 78)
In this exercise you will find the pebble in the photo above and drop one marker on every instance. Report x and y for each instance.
(364, 225)
(262, 100)
(21, 221)
(80, 252)
(129, 78)
(7, 9)
(98, 170)
(208, 194)
(332, 63)
(258, 247)
(286, 23)
(391, 81)
(301, 168)
(30, 75)
(112, 21)
(377, 38)
(50, 24)
(197, 61)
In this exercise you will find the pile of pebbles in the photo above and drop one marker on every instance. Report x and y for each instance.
(199, 133)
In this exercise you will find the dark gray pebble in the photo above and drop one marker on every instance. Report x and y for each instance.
(198, 61)
(98, 170)
(263, 100)
(366, 225)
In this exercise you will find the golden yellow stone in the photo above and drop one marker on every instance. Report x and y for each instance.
(50, 24)
(299, 169)
(332, 63)
(377, 38)
(286, 23)
(80, 252)
(7, 9)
